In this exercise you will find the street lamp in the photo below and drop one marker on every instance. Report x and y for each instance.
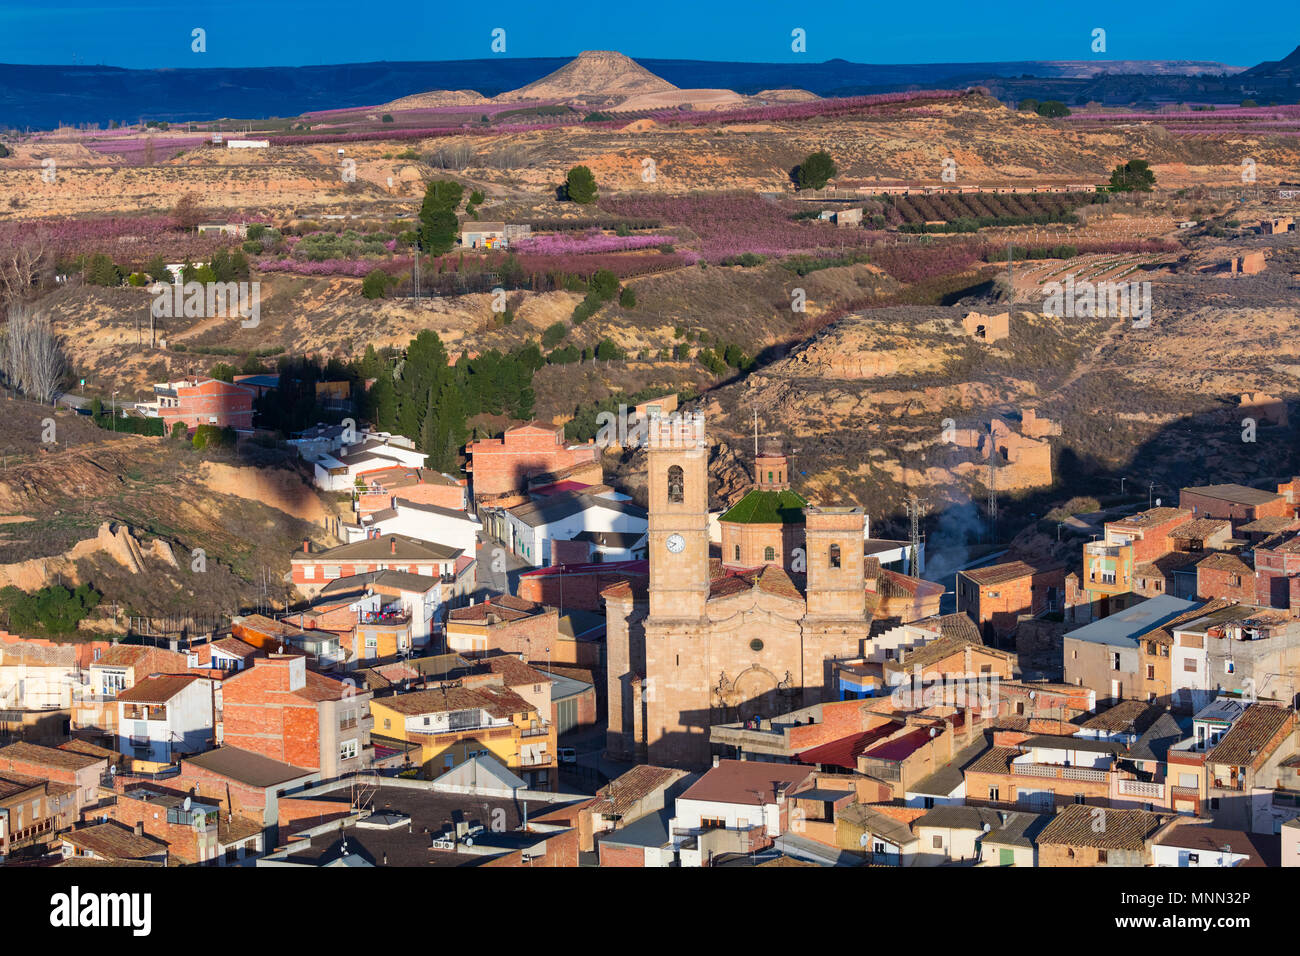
(114, 410)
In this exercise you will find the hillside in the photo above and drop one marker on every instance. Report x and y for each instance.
(594, 74)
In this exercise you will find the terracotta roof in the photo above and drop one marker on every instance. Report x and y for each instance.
(1164, 634)
(1150, 518)
(14, 783)
(151, 660)
(1199, 528)
(514, 671)
(1128, 716)
(87, 748)
(497, 701)
(505, 607)
(994, 760)
(1270, 524)
(747, 782)
(235, 647)
(1244, 743)
(623, 793)
(157, 689)
(1079, 825)
(1166, 564)
(382, 548)
(114, 841)
(1010, 571)
(893, 584)
(1221, 561)
(47, 756)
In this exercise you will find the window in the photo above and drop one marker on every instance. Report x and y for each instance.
(1101, 856)
(348, 750)
(834, 556)
(1115, 662)
(1214, 803)
(1108, 577)
(928, 802)
(1190, 665)
(387, 724)
(1078, 798)
(309, 571)
(737, 552)
(676, 485)
(769, 477)
(937, 842)
(331, 572)
(1151, 672)
(769, 553)
(1193, 858)
(993, 793)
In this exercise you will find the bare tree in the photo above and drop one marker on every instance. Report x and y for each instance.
(21, 262)
(32, 356)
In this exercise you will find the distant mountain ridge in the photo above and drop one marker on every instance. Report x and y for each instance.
(44, 96)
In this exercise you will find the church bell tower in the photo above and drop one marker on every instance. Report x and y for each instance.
(679, 518)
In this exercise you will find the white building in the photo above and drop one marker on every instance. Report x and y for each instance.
(164, 717)
(337, 470)
(1190, 844)
(455, 529)
(530, 528)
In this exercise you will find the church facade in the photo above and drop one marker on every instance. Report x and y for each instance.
(708, 642)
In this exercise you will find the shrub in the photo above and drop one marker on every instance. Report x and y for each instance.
(375, 284)
(56, 609)
(627, 299)
(386, 118)
(554, 335)
(580, 185)
(816, 170)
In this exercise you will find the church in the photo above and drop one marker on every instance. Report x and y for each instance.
(710, 641)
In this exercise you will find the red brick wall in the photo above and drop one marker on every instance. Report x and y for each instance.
(1272, 568)
(1238, 514)
(182, 839)
(561, 851)
(262, 715)
(308, 812)
(621, 855)
(581, 589)
(230, 404)
(1217, 583)
(500, 465)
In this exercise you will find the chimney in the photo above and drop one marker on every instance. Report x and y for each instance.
(392, 545)
(306, 546)
(139, 828)
(715, 760)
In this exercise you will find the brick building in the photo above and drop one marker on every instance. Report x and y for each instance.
(501, 465)
(503, 624)
(1237, 503)
(80, 771)
(997, 596)
(281, 710)
(201, 401)
(1090, 836)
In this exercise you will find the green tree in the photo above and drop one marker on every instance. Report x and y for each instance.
(386, 118)
(1133, 176)
(382, 403)
(1246, 104)
(1053, 109)
(100, 270)
(222, 372)
(607, 351)
(179, 431)
(375, 284)
(438, 223)
(157, 269)
(1028, 105)
(816, 170)
(554, 335)
(603, 285)
(580, 185)
(627, 299)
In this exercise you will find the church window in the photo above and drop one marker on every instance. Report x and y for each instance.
(676, 485)
(835, 556)
(769, 553)
(737, 552)
(769, 477)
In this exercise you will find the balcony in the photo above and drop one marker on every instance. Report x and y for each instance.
(140, 741)
(536, 760)
(541, 731)
(1184, 793)
(1059, 772)
(1142, 788)
(1100, 549)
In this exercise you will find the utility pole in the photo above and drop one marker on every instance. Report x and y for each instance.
(992, 483)
(916, 508)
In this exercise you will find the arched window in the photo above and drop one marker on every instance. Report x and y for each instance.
(737, 552)
(834, 556)
(769, 477)
(676, 485)
(769, 553)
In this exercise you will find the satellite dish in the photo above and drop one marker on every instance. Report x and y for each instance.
(1033, 694)
(469, 841)
(864, 839)
(1157, 502)
(112, 771)
(987, 828)
(186, 804)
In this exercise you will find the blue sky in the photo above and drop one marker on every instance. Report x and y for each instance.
(154, 33)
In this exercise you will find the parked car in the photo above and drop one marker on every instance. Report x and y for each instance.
(568, 755)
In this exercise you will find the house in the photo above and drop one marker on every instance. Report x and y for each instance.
(532, 527)
(579, 586)
(502, 465)
(111, 842)
(1094, 836)
(94, 713)
(1108, 581)
(1041, 772)
(1243, 769)
(280, 709)
(881, 833)
(737, 806)
(483, 235)
(245, 784)
(270, 636)
(1110, 657)
(423, 599)
(313, 570)
(201, 401)
(947, 656)
(79, 771)
(194, 830)
(348, 466)
(998, 595)
(503, 624)
(443, 727)
(1235, 649)
(900, 598)
(1012, 842)
(1277, 573)
(1238, 503)
(419, 485)
(952, 834)
(1184, 843)
(643, 792)
(165, 716)
(424, 522)
(32, 810)
(237, 230)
